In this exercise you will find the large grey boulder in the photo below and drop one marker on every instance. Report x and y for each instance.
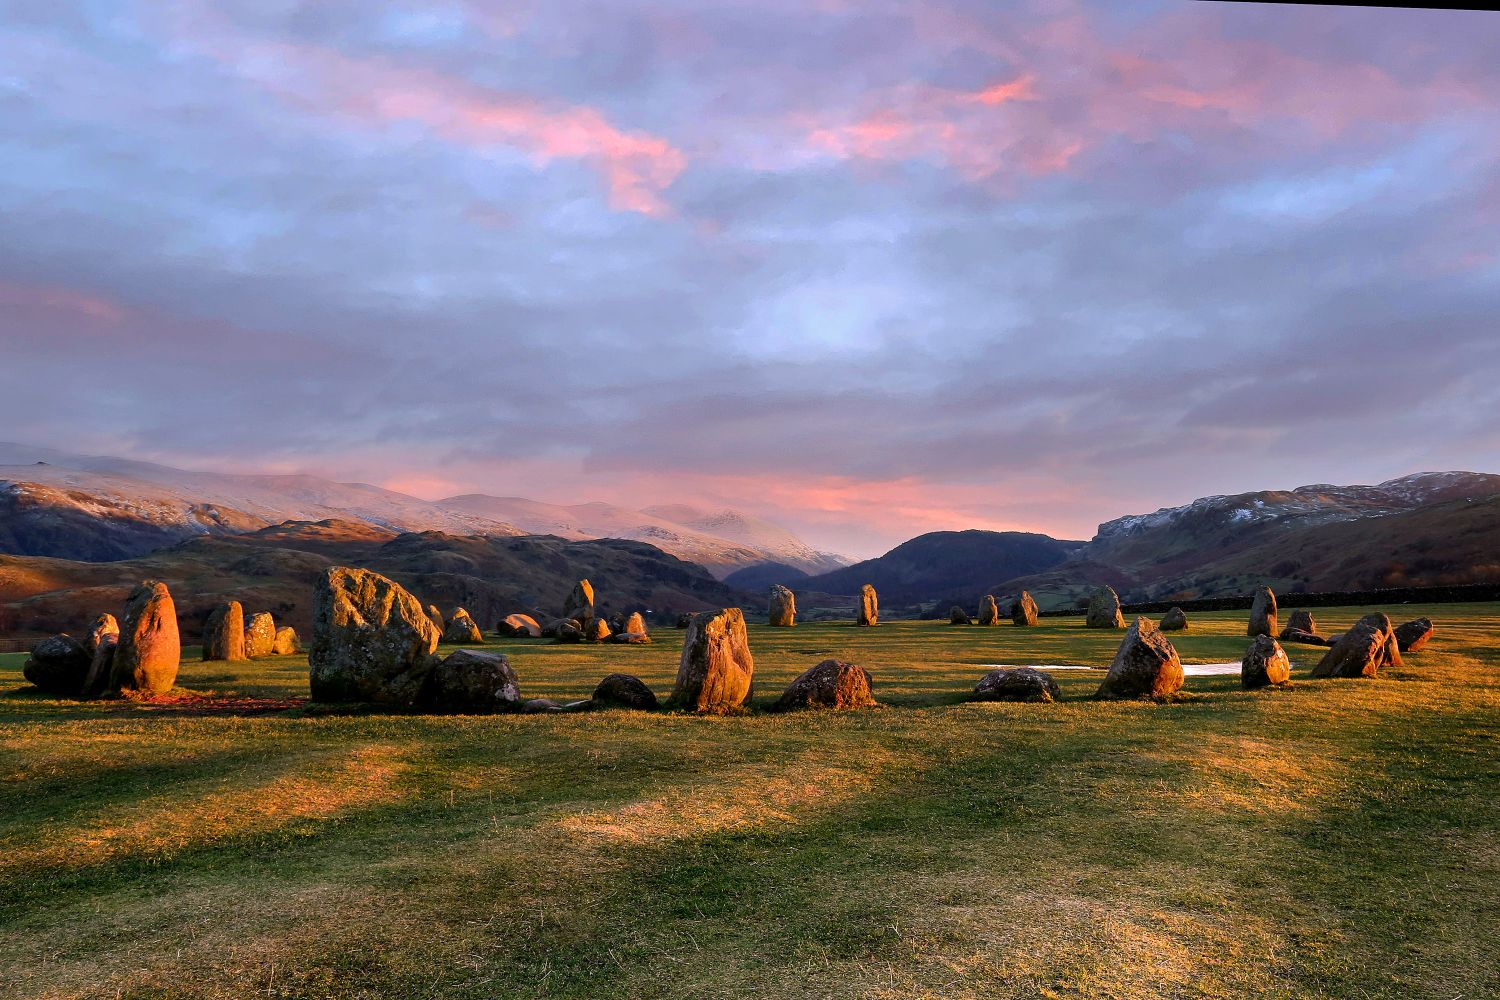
(716, 671)
(1362, 651)
(1104, 609)
(470, 680)
(580, 602)
(224, 633)
(58, 665)
(1023, 610)
(371, 640)
(1017, 684)
(1265, 664)
(1145, 666)
(868, 610)
(782, 607)
(989, 611)
(150, 649)
(831, 684)
(1262, 613)
(461, 628)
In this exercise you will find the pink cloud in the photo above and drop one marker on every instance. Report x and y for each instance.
(49, 298)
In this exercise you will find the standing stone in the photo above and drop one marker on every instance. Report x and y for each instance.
(461, 627)
(1302, 621)
(1361, 651)
(868, 612)
(287, 643)
(101, 627)
(224, 634)
(624, 691)
(580, 603)
(1262, 613)
(596, 630)
(58, 665)
(1265, 665)
(1104, 610)
(1145, 665)
(958, 616)
(568, 630)
(371, 640)
(519, 626)
(633, 631)
(716, 671)
(1174, 621)
(260, 635)
(782, 607)
(436, 617)
(1023, 610)
(469, 680)
(102, 666)
(989, 611)
(150, 649)
(1413, 635)
(831, 684)
(1017, 684)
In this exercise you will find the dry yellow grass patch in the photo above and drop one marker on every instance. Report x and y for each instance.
(1255, 776)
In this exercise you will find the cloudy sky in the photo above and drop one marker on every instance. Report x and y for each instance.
(867, 268)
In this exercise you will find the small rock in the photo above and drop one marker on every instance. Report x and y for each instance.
(536, 706)
(462, 628)
(1174, 621)
(596, 630)
(1414, 634)
(831, 684)
(1017, 684)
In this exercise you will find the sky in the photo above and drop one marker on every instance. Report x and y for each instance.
(865, 269)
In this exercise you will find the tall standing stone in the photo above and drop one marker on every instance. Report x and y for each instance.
(868, 612)
(150, 648)
(989, 611)
(782, 606)
(1263, 614)
(224, 634)
(260, 635)
(1023, 610)
(716, 671)
(371, 640)
(1104, 609)
(1145, 666)
(580, 603)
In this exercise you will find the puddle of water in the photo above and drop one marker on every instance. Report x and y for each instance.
(1188, 669)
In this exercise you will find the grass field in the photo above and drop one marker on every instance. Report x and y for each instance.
(1335, 839)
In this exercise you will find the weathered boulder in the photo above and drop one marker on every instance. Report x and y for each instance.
(224, 633)
(371, 640)
(1302, 621)
(1361, 651)
(58, 665)
(1413, 635)
(958, 616)
(260, 635)
(1174, 621)
(436, 617)
(568, 630)
(624, 691)
(519, 626)
(287, 642)
(101, 666)
(716, 671)
(580, 603)
(868, 611)
(102, 626)
(596, 630)
(1262, 613)
(782, 607)
(462, 628)
(1017, 684)
(831, 684)
(989, 611)
(1265, 664)
(150, 649)
(635, 623)
(1145, 665)
(1104, 610)
(632, 631)
(1023, 610)
(469, 680)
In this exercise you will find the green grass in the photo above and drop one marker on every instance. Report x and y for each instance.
(1335, 839)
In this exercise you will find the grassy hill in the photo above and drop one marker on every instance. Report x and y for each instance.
(1336, 839)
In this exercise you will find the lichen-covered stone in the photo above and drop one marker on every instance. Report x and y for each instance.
(1413, 635)
(260, 635)
(1145, 666)
(782, 607)
(1023, 610)
(1017, 684)
(471, 680)
(1262, 613)
(1104, 610)
(716, 671)
(224, 633)
(831, 684)
(868, 611)
(989, 611)
(287, 642)
(371, 640)
(150, 648)
(1265, 664)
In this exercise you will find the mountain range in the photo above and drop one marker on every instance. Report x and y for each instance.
(96, 508)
